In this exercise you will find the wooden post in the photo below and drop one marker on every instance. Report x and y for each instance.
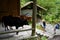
(34, 17)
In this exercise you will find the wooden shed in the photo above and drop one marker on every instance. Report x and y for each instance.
(27, 8)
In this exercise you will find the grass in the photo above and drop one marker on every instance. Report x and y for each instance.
(40, 27)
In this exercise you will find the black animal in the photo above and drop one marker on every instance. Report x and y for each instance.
(7, 21)
(13, 21)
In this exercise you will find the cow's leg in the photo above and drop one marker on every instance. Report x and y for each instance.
(16, 32)
(6, 28)
(3, 24)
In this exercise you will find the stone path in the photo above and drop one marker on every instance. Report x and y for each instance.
(57, 37)
(13, 36)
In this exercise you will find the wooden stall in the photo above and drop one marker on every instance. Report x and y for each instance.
(9, 7)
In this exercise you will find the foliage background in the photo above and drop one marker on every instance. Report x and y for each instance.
(53, 9)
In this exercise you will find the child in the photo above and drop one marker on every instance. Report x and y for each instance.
(44, 24)
(57, 26)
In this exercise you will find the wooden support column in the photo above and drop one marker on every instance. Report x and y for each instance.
(34, 17)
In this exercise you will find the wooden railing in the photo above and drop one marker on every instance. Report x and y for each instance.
(16, 30)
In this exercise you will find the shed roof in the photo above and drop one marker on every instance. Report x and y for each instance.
(31, 2)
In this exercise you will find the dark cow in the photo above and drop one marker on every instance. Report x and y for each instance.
(7, 21)
(13, 21)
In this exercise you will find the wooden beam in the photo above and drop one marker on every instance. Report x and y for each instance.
(34, 17)
(12, 31)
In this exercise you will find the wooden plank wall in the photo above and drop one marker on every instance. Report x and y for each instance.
(9, 7)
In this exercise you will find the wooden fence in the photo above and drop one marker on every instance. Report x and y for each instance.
(17, 30)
